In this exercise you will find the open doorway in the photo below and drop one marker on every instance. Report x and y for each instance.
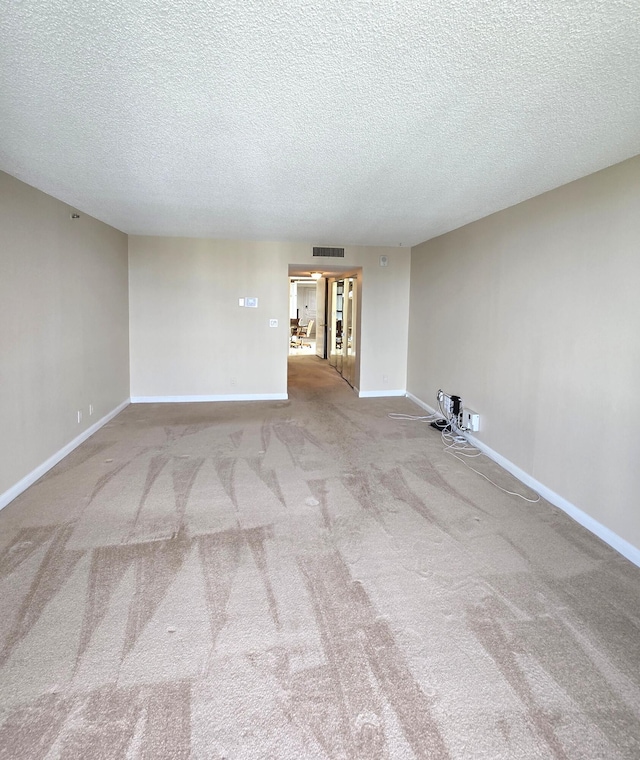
(324, 311)
(303, 315)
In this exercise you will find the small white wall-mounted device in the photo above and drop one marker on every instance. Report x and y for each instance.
(470, 420)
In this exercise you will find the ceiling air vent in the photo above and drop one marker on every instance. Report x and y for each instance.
(336, 253)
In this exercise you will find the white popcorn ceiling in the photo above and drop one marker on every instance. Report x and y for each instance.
(331, 122)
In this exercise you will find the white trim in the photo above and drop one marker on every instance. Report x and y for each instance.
(622, 546)
(421, 403)
(380, 394)
(197, 399)
(632, 553)
(40, 470)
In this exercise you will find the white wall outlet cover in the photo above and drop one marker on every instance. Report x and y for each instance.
(240, 301)
(251, 303)
(273, 323)
(384, 261)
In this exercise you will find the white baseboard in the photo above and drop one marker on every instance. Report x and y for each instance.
(53, 460)
(631, 552)
(380, 394)
(421, 403)
(197, 399)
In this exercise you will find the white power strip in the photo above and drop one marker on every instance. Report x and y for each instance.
(445, 402)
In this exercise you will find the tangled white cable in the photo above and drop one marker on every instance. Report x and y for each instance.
(456, 444)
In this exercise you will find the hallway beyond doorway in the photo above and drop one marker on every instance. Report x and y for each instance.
(312, 375)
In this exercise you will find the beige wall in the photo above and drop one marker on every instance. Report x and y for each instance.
(63, 326)
(532, 315)
(189, 337)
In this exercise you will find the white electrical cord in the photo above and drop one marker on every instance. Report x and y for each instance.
(467, 450)
(456, 442)
(457, 445)
(511, 493)
(413, 417)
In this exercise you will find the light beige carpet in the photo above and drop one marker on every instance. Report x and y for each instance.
(305, 579)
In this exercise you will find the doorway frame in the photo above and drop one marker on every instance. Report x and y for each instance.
(332, 272)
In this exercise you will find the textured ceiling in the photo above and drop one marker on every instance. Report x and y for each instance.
(333, 122)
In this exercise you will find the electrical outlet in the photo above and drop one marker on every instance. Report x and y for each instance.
(79, 416)
(90, 410)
